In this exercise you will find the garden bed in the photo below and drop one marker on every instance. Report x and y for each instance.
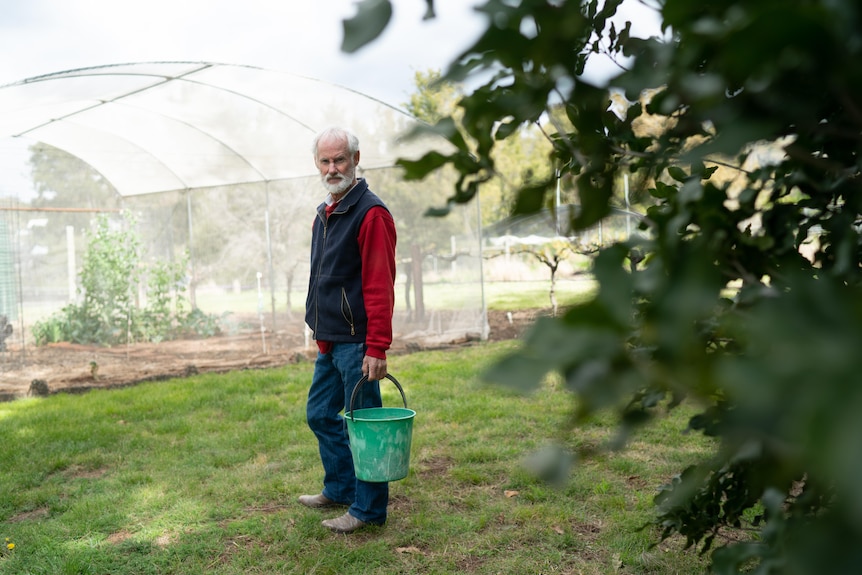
(66, 367)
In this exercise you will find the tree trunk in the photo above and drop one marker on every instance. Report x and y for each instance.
(419, 298)
(553, 292)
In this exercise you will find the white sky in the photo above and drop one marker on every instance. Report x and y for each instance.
(297, 36)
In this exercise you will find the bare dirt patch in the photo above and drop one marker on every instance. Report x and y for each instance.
(71, 368)
(33, 515)
(119, 537)
(78, 472)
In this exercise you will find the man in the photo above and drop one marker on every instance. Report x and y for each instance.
(349, 308)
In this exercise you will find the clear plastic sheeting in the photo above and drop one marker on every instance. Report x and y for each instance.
(158, 127)
(214, 163)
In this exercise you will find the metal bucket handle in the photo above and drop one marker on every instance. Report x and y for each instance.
(362, 381)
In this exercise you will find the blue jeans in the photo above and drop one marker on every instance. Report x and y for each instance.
(335, 375)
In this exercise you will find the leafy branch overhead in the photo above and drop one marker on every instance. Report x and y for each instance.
(744, 125)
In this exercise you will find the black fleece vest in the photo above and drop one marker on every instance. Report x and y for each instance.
(335, 308)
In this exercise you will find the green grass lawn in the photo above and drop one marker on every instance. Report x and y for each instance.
(201, 475)
(500, 295)
(508, 296)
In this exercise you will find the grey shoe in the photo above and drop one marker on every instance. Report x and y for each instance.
(347, 523)
(319, 501)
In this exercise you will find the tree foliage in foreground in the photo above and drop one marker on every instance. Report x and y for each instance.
(722, 308)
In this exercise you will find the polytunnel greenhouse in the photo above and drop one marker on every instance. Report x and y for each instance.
(209, 167)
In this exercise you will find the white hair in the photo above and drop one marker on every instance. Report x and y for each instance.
(336, 132)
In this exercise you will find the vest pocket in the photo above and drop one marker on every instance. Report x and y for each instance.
(346, 311)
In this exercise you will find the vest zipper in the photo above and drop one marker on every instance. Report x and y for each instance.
(317, 281)
(348, 314)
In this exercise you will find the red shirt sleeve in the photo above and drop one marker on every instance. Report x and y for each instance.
(377, 239)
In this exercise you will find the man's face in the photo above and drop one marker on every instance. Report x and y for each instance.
(337, 167)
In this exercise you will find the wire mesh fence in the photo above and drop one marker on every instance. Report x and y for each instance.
(244, 251)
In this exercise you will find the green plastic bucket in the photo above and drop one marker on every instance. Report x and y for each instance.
(380, 438)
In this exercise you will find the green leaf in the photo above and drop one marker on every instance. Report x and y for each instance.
(519, 372)
(594, 191)
(369, 22)
(677, 174)
(418, 169)
(430, 14)
(617, 284)
(559, 345)
(663, 191)
(506, 129)
(530, 200)
(433, 212)
(552, 463)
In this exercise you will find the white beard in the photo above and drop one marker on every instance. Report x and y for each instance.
(342, 185)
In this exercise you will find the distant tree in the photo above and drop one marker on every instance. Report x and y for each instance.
(66, 187)
(742, 295)
(433, 98)
(62, 180)
(551, 254)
